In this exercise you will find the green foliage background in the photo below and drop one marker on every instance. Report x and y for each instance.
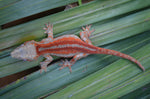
(122, 25)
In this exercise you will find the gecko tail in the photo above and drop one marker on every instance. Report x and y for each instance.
(119, 54)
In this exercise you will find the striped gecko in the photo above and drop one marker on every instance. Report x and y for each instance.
(64, 46)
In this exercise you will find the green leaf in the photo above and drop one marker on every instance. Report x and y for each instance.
(80, 2)
(54, 79)
(17, 9)
(121, 25)
(140, 93)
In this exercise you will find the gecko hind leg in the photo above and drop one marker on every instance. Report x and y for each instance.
(85, 34)
(68, 64)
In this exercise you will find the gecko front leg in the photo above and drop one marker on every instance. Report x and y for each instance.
(48, 30)
(46, 62)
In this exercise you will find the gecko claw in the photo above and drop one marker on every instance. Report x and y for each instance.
(86, 30)
(65, 63)
(48, 28)
(88, 27)
(83, 29)
(43, 68)
(92, 30)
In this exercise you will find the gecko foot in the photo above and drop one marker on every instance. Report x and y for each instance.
(43, 67)
(87, 31)
(49, 28)
(66, 63)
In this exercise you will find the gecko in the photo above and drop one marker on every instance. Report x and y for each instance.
(64, 46)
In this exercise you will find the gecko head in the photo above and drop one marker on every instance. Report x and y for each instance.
(26, 51)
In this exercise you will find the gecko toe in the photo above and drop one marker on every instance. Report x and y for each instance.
(66, 63)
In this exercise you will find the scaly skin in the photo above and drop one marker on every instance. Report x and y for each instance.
(64, 46)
